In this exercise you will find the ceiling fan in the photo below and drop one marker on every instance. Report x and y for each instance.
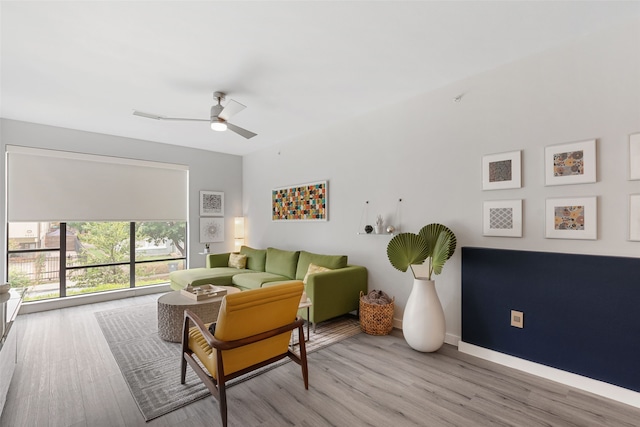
(219, 116)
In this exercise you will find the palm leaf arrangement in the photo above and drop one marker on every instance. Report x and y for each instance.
(434, 243)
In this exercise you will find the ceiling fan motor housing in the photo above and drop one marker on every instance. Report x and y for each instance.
(216, 110)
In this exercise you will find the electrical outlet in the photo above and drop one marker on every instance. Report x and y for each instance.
(517, 319)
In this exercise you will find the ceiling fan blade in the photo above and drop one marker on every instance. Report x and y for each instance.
(232, 108)
(157, 117)
(147, 115)
(240, 131)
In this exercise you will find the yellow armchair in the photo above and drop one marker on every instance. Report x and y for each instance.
(253, 330)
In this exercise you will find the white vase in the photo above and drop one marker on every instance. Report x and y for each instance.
(423, 324)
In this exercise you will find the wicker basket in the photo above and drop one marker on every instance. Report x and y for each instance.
(376, 319)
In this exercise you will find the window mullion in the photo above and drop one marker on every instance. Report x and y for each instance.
(63, 259)
(132, 254)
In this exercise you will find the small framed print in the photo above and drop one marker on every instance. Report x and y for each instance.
(211, 203)
(502, 218)
(634, 217)
(571, 163)
(211, 230)
(571, 218)
(502, 171)
(634, 156)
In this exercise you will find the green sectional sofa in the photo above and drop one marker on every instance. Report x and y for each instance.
(333, 292)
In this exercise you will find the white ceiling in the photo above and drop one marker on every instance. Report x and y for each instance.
(297, 66)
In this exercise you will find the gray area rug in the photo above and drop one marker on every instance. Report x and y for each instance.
(151, 366)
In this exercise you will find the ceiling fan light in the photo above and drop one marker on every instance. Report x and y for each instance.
(218, 124)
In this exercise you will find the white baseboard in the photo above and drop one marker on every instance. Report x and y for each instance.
(53, 304)
(590, 385)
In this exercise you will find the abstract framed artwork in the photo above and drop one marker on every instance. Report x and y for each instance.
(211, 203)
(304, 202)
(571, 218)
(211, 230)
(634, 217)
(501, 171)
(502, 218)
(570, 163)
(634, 156)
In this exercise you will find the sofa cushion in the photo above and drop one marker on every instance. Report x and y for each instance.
(220, 276)
(255, 258)
(238, 261)
(330, 261)
(282, 262)
(313, 269)
(256, 280)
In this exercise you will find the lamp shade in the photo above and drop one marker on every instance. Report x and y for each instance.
(238, 230)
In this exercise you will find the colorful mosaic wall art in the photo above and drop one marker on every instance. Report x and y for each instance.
(305, 202)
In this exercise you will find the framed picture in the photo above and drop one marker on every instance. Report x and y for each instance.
(571, 163)
(502, 218)
(634, 217)
(304, 202)
(634, 156)
(501, 171)
(211, 203)
(211, 230)
(572, 218)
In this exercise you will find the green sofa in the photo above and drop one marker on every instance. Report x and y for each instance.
(333, 293)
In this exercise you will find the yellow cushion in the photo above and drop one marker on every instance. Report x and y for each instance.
(238, 261)
(249, 313)
(314, 269)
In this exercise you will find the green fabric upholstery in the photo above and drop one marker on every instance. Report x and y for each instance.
(256, 280)
(329, 261)
(333, 293)
(220, 276)
(256, 258)
(218, 260)
(282, 262)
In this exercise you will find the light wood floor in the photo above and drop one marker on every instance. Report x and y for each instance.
(66, 377)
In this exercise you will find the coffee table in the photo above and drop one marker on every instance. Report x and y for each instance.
(171, 308)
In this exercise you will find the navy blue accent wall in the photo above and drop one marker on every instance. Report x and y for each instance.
(581, 312)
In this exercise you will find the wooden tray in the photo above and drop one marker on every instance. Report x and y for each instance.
(200, 293)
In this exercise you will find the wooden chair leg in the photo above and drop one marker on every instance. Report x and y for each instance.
(222, 388)
(303, 357)
(185, 348)
(183, 369)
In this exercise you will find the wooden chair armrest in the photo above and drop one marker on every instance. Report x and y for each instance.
(199, 324)
(228, 345)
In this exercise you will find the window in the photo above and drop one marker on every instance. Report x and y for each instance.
(96, 256)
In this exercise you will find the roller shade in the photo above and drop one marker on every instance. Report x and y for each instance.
(50, 185)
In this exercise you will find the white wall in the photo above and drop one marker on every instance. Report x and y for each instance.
(428, 152)
(207, 170)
